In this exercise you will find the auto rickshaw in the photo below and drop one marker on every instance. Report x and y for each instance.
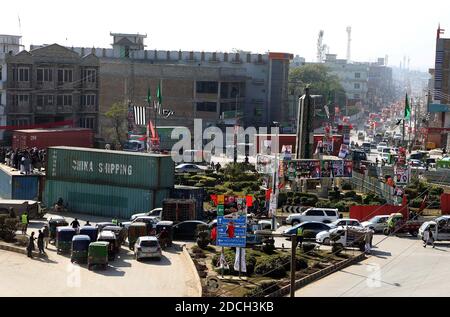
(98, 254)
(64, 236)
(80, 247)
(168, 226)
(110, 237)
(136, 230)
(91, 232)
(53, 223)
(120, 232)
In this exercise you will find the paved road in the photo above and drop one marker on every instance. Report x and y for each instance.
(399, 267)
(56, 276)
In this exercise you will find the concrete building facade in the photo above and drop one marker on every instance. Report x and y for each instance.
(380, 90)
(52, 84)
(354, 78)
(220, 88)
(9, 44)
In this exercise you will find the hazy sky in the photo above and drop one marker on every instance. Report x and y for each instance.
(382, 27)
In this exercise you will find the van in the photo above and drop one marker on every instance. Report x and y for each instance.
(440, 228)
(34, 208)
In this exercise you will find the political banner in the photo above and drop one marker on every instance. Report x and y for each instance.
(348, 169)
(286, 151)
(326, 169)
(402, 176)
(265, 164)
(338, 168)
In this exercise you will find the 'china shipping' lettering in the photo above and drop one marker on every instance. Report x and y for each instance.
(103, 168)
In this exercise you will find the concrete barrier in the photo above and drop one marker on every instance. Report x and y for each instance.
(198, 283)
(317, 276)
(12, 248)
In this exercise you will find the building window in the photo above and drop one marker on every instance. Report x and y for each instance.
(90, 75)
(207, 87)
(20, 122)
(127, 51)
(1, 73)
(357, 86)
(65, 75)
(207, 106)
(23, 100)
(45, 100)
(44, 74)
(357, 96)
(87, 122)
(357, 75)
(88, 100)
(64, 100)
(23, 74)
(1, 100)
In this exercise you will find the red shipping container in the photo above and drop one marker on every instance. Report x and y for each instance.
(445, 204)
(44, 138)
(364, 213)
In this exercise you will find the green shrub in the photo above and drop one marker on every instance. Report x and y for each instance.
(350, 194)
(347, 186)
(263, 289)
(324, 204)
(411, 192)
(308, 247)
(282, 199)
(436, 191)
(230, 255)
(274, 267)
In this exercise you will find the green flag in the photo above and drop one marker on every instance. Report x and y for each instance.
(149, 96)
(407, 108)
(159, 95)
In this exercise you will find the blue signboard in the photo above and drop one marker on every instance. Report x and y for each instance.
(232, 230)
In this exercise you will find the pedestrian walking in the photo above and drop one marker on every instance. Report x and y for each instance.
(428, 237)
(24, 220)
(300, 236)
(30, 247)
(75, 224)
(46, 234)
(88, 224)
(40, 242)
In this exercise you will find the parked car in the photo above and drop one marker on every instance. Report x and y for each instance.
(314, 214)
(101, 225)
(152, 213)
(149, 221)
(417, 165)
(147, 247)
(377, 223)
(186, 230)
(345, 222)
(398, 137)
(310, 229)
(190, 168)
(324, 236)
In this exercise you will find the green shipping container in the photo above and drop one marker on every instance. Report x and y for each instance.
(103, 200)
(115, 168)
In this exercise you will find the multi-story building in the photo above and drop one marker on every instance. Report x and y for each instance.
(380, 85)
(9, 44)
(220, 88)
(354, 78)
(440, 105)
(52, 84)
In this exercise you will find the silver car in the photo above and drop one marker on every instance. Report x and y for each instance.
(147, 247)
(377, 223)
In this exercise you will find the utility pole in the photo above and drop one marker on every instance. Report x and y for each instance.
(293, 263)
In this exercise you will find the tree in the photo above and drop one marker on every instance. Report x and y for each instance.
(118, 114)
(320, 81)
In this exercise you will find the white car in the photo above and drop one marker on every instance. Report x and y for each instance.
(377, 223)
(345, 222)
(380, 149)
(324, 236)
(314, 214)
(398, 137)
(382, 144)
(147, 247)
(157, 212)
(383, 157)
(149, 221)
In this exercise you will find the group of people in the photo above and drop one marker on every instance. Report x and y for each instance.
(25, 160)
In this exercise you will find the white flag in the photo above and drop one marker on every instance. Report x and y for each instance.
(243, 263)
(140, 115)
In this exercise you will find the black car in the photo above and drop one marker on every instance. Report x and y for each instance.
(187, 230)
(310, 229)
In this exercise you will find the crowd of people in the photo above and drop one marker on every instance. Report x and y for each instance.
(25, 161)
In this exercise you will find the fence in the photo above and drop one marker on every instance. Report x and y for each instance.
(366, 184)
